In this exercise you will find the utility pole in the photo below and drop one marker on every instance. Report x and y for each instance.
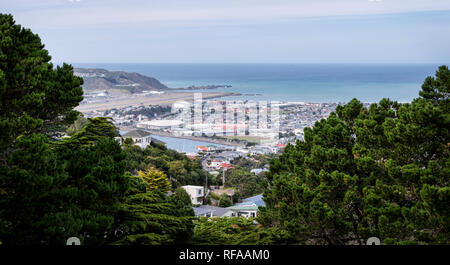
(206, 179)
(223, 177)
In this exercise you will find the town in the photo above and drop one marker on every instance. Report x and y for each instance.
(229, 143)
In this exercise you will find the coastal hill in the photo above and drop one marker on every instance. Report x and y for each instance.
(101, 79)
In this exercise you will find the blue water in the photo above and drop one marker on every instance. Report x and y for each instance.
(183, 145)
(293, 82)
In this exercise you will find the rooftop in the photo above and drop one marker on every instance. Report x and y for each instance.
(216, 211)
(243, 208)
(192, 186)
(255, 200)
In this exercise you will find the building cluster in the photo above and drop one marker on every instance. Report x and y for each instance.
(249, 207)
(292, 119)
(279, 123)
(134, 116)
(295, 117)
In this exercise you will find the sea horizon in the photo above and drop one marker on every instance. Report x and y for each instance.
(289, 82)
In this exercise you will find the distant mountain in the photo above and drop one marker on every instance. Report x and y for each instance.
(101, 79)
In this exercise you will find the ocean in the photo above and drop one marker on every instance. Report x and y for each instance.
(292, 82)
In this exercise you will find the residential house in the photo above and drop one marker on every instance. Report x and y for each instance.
(225, 166)
(249, 207)
(195, 192)
(246, 211)
(230, 155)
(258, 171)
(217, 162)
(263, 150)
(140, 137)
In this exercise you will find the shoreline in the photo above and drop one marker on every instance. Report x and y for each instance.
(165, 99)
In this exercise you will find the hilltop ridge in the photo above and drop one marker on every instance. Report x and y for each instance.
(102, 79)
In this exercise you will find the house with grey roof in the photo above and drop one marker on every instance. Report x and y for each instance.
(140, 137)
(211, 211)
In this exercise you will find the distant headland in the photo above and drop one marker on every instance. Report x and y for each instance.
(130, 82)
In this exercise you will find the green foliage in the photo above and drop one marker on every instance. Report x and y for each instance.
(96, 129)
(182, 196)
(225, 201)
(93, 190)
(235, 231)
(254, 161)
(149, 111)
(34, 96)
(79, 123)
(33, 171)
(381, 171)
(180, 169)
(51, 190)
(155, 180)
(151, 217)
(437, 89)
(52, 196)
(245, 183)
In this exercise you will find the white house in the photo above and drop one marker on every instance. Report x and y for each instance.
(216, 163)
(195, 192)
(140, 137)
(247, 211)
(257, 171)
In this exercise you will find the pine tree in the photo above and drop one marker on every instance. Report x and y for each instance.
(35, 97)
(50, 192)
(155, 180)
(381, 171)
(36, 103)
(225, 201)
(150, 217)
(94, 130)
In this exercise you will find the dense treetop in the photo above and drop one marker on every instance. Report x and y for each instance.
(382, 171)
(53, 189)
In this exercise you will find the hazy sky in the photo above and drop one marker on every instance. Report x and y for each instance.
(227, 31)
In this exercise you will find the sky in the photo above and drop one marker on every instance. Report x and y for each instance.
(239, 31)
